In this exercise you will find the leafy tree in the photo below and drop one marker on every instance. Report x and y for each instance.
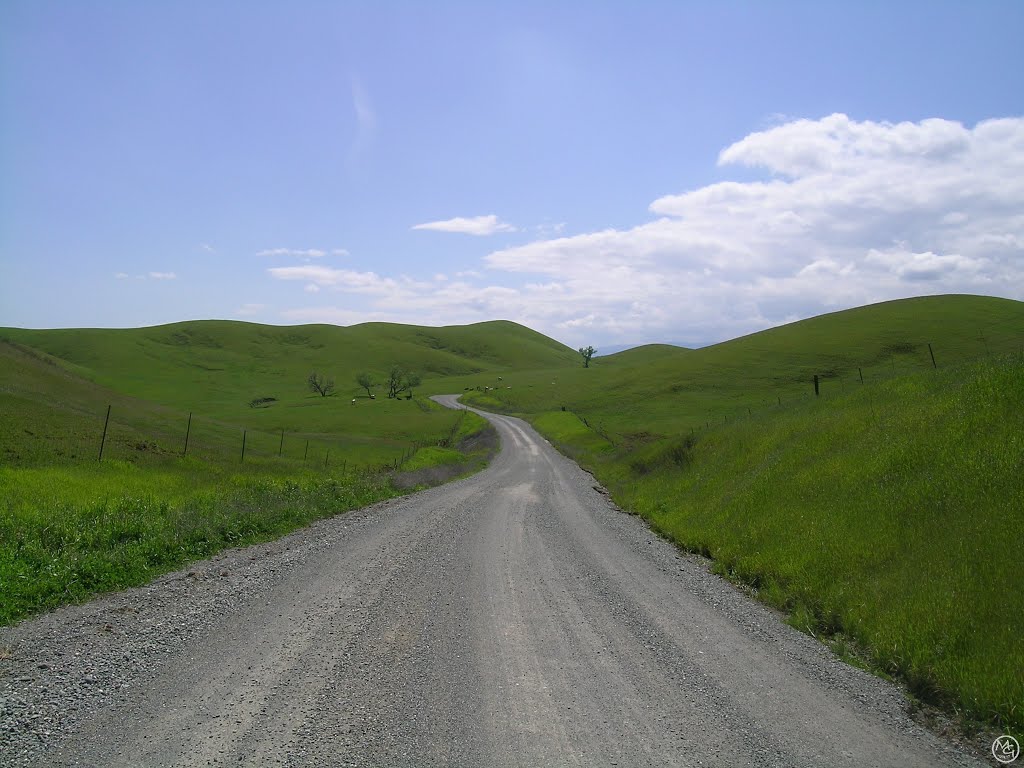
(587, 352)
(365, 380)
(400, 380)
(320, 384)
(412, 380)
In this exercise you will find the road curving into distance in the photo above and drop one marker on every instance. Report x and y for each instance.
(513, 618)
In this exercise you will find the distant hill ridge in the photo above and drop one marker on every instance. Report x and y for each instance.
(227, 358)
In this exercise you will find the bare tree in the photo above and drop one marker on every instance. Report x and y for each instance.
(366, 381)
(587, 352)
(400, 381)
(320, 384)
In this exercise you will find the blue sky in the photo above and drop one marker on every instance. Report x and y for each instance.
(606, 173)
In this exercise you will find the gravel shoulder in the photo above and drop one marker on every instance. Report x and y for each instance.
(512, 618)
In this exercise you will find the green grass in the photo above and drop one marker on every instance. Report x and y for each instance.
(217, 367)
(67, 533)
(52, 415)
(72, 530)
(72, 526)
(884, 514)
(665, 390)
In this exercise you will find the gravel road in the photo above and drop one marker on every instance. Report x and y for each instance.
(513, 618)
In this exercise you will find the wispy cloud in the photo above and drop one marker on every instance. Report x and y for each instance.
(147, 276)
(366, 120)
(348, 280)
(248, 310)
(207, 247)
(476, 225)
(296, 253)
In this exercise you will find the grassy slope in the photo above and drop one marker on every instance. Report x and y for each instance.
(71, 526)
(214, 368)
(679, 389)
(874, 511)
(219, 365)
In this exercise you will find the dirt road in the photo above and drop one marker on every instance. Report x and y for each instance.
(514, 618)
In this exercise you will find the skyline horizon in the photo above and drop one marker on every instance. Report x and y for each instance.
(606, 349)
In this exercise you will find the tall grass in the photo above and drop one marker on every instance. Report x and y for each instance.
(67, 533)
(891, 514)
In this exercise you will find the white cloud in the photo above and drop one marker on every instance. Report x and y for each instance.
(247, 310)
(305, 255)
(848, 213)
(332, 315)
(122, 275)
(207, 247)
(857, 212)
(162, 276)
(348, 280)
(476, 225)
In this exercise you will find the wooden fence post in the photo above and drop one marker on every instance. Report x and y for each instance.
(816, 393)
(103, 439)
(281, 446)
(242, 460)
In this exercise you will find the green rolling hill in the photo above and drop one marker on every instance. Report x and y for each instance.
(874, 514)
(868, 513)
(218, 365)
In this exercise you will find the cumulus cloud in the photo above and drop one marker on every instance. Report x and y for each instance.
(476, 225)
(162, 276)
(845, 213)
(851, 213)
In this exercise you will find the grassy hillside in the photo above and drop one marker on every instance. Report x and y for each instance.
(56, 385)
(218, 366)
(671, 390)
(876, 513)
(638, 356)
(71, 526)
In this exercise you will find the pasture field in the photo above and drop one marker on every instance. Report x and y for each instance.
(880, 515)
(72, 526)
